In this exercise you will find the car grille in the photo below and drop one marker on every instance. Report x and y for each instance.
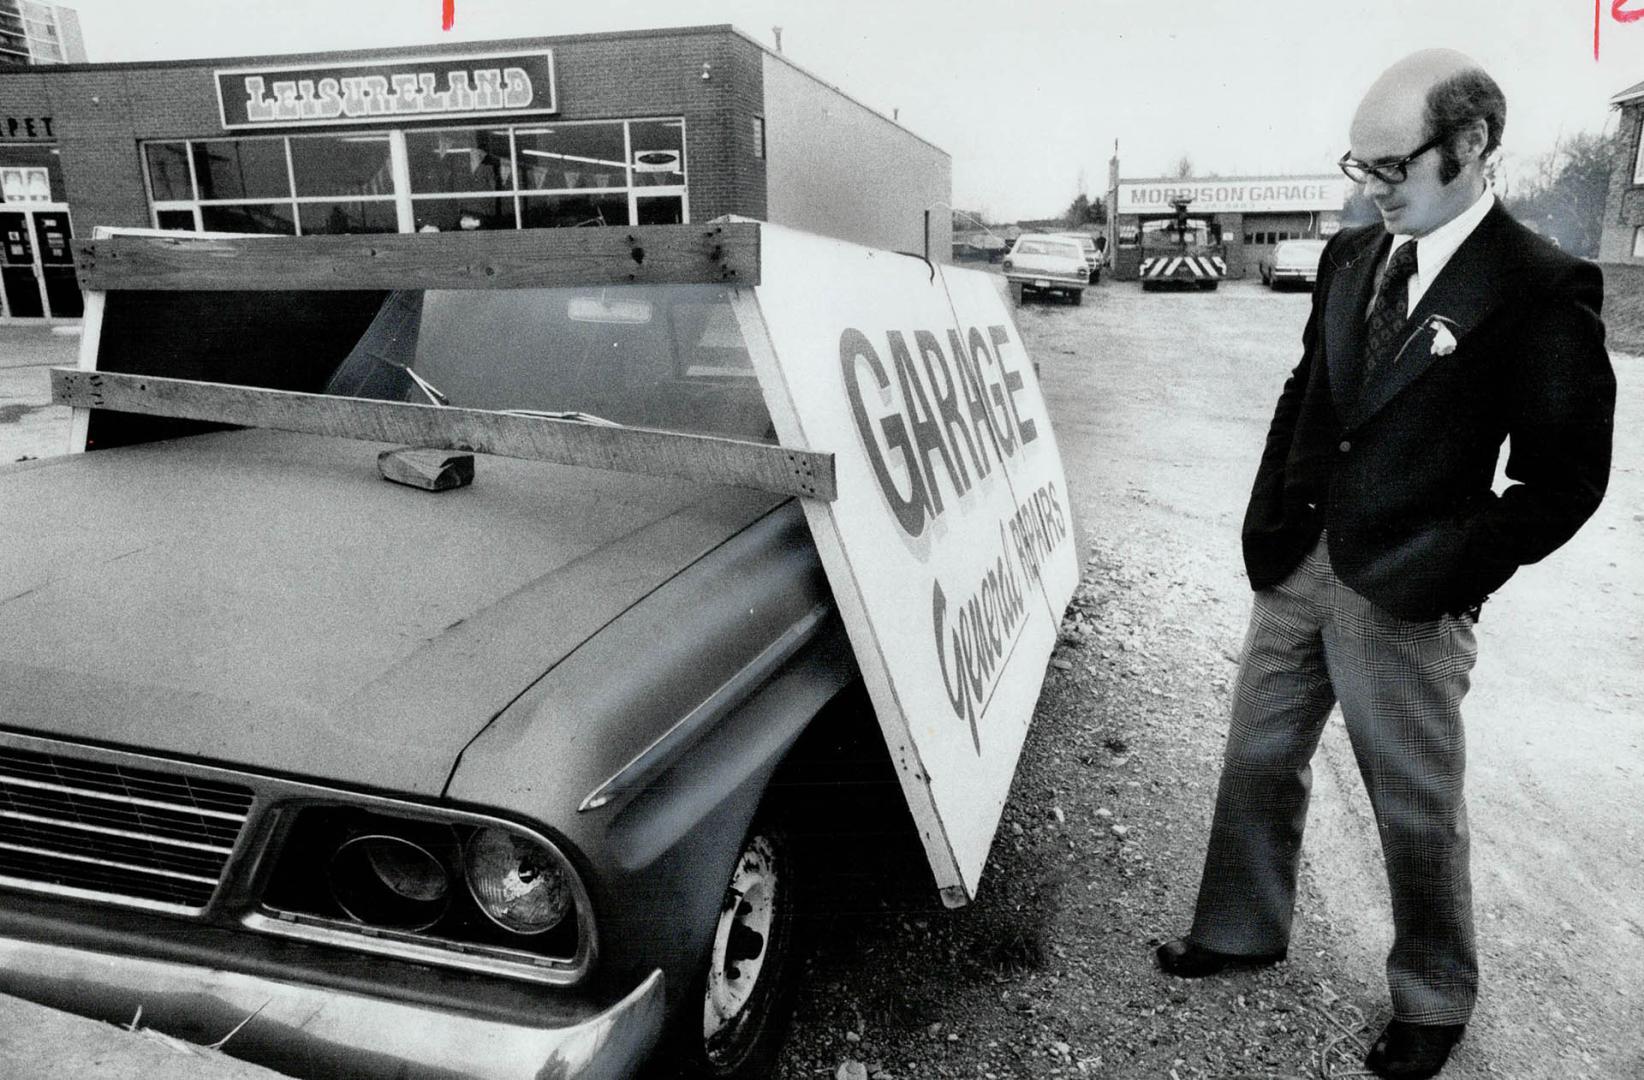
(117, 832)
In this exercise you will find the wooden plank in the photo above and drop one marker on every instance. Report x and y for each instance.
(724, 253)
(702, 458)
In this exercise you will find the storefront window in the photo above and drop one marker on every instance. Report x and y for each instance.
(248, 218)
(571, 211)
(168, 171)
(659, 152)
(556, 175)
(242, 169)
(352, 216)
(342, 165)
(568, 157)
(461, 215)
(660, 210)
(33, 173)
(459, 160)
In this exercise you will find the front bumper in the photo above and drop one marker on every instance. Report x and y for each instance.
(310, 1031)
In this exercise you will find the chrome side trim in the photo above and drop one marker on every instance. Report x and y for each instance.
(735, 690)
(524, 967)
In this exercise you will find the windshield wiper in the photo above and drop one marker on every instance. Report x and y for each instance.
(579, 417)
(423, 384)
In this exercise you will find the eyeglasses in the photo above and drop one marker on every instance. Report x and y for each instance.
(1388, 172)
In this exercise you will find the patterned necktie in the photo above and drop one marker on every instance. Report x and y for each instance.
(1387, 311)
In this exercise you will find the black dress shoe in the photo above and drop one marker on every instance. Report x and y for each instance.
(1408, 1051)
(1185, 960)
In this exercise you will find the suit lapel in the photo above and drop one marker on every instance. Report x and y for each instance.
(1464, 292)
(1344, 327)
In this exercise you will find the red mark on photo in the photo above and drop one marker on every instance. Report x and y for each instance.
(448, 16)
(1618, 11)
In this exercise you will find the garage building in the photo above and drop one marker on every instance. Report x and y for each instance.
(1249, 214)
(636, 128)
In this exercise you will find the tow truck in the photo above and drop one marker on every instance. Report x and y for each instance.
(1179, 252)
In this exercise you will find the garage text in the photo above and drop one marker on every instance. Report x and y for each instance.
(955, 406)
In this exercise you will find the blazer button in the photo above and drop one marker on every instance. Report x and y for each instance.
(1346, 446)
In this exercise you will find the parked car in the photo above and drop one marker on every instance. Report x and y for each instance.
(1092, 253)
(407, 783)
(1041, 263)
(1291, 262)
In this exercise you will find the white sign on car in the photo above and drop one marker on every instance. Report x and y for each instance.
(950, 548)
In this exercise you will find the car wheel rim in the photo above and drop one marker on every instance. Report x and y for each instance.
(741, 944)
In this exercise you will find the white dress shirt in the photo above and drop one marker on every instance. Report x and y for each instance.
(1436, 247)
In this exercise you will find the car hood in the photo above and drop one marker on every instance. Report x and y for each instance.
(266, 601)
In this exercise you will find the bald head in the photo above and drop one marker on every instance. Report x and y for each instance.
(1443, 103)
(1404, 88)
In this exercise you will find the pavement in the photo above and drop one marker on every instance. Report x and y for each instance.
(30, 425)
(37, 1043)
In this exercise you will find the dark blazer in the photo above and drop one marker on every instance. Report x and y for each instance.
(1399, 470)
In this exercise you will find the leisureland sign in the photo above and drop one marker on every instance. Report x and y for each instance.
(950, 548)
(407, 89)
(1250, 195)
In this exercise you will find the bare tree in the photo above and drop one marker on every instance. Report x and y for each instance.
(1563, 197)
(1184, 168)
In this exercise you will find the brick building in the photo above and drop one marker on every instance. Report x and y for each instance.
(646, 127)
(1622, 239)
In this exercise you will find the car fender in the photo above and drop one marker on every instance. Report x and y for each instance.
(648, 750)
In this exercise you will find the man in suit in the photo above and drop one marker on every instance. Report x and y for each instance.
(1373, 535)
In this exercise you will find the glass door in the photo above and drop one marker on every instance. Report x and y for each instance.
(19, 279)
(52, 233)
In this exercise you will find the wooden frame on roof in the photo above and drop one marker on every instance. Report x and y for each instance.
(723, 253)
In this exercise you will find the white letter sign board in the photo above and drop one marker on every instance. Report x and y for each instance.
(950, 548)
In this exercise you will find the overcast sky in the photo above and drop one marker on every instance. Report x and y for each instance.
(1028, 95)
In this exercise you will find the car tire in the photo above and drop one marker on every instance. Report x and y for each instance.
(747, 986)
(1077, 297)
(1017, 292)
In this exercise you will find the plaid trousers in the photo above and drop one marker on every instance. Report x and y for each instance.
(1312, 642)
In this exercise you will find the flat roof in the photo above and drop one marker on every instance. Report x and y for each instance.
(463, 47)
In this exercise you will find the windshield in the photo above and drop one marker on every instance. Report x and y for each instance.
(650, 356)
(659, 356)
(1045, 247)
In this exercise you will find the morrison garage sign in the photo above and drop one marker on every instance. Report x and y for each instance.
(504, 84)
(1234, 195)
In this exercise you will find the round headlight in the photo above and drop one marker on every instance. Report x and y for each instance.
(391, 881)
(519, 884)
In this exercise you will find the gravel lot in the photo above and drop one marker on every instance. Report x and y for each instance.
(1161, 402)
